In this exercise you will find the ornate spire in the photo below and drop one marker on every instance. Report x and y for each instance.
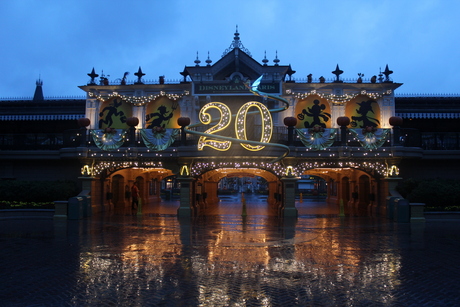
(93, 76)
(265, 61)
(208, 60)
(276, 60)
(139, 76)
(197, 61)
(236, 44)
(387, 74)
(337, 72)
(38, 95)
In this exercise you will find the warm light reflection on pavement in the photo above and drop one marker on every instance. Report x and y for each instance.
(223, 259)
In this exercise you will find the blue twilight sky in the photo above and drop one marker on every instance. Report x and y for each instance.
(61, 41)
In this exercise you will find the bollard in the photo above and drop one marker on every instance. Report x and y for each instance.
(390, 207)
(417, 212)
(75, 208)
(60, 210)
(402, 211)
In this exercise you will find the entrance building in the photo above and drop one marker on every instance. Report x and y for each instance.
(238, 118)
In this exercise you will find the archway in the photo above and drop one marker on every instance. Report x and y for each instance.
(251, 183)
(348, 187)
(114, 183)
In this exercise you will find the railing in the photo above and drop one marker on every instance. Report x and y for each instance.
(71, 138)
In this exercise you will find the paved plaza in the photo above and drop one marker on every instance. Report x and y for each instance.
(224, 259)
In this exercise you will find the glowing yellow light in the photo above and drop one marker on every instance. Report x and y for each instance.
(224, 121)
(393, 171)
(86, 170)
(289, 171)
(267, 124)
(184, 171)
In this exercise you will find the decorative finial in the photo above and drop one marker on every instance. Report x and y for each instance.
(265, 61)
(236, 44)
(380, 75)
(337, 72)
(123, 80)
(39, 82)
(104, 79)
(236, 38)
(208, 60)
(38, 95)
(276, 60)
(387, 74)
(93, 76)
(197, 61)
(139, 76)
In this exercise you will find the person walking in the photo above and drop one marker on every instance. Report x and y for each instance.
(134, 197)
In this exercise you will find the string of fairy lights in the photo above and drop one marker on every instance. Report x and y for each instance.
(138, 100)
(100, 166)
(374, 166)
(279, 170)
(341, 99)
(199, 168)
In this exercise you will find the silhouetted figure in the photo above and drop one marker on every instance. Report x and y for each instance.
(162, 117)
(112, 110)
(134, 197)
(364, 108)
(317, 112)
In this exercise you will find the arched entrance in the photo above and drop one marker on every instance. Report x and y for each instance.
(113, 186)
(353, 189)
(217, 184)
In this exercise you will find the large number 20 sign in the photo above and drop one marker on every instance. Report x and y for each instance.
(240, 125)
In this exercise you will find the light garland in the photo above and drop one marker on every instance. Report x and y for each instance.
(342, 99)
(276, 168)
(138, 100)
(99, 167)
(377, 167)
(201, 167)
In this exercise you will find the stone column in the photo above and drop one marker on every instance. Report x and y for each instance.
(272, 192)
(289, 185)
(210, 188)
(392, 183)
(186, 197)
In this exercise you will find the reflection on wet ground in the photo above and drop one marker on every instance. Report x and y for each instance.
(225, 259)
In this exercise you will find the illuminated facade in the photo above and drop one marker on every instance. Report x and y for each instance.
(238, 118)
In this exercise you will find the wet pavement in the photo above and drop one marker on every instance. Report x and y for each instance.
(224, 259)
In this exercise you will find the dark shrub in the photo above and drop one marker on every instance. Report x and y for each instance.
(437, 194)
(37, 191)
